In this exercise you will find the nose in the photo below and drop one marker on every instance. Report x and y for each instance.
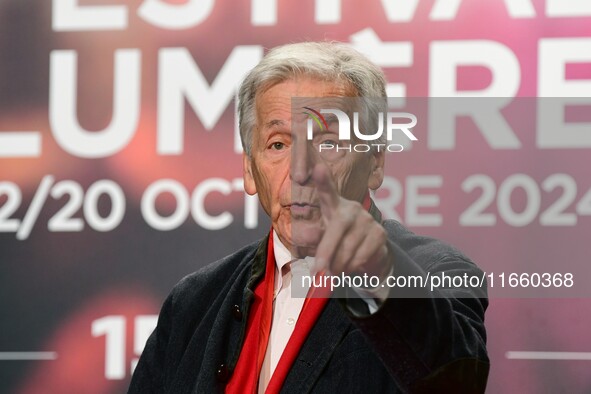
(302, 162)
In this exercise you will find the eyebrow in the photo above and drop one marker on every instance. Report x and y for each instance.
(330, 118)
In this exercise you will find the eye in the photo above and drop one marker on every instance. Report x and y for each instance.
(329, 142)
(277, 145)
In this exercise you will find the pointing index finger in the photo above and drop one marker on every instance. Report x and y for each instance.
(327, 191)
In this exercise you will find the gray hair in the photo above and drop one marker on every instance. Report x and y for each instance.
(329, 61)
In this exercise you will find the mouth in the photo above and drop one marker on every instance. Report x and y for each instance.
(302, 209)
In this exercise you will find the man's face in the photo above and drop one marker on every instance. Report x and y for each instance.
(282, 160)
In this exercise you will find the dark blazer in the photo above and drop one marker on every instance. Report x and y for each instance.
(436, 343)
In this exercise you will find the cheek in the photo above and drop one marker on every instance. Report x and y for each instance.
(271, 186)
(263, 187)
(351, 177)
(281, 189)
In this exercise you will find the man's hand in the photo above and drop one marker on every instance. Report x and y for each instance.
(353, 242)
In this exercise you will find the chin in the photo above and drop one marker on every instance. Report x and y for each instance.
(306, 234)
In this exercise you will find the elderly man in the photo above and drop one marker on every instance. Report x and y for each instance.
(237, 325)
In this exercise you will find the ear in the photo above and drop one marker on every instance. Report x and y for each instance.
(249, 184)
(376, 175)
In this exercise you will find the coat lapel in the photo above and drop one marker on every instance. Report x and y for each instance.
(328, 332)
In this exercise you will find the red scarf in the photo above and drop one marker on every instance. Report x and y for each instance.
(245, 378)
